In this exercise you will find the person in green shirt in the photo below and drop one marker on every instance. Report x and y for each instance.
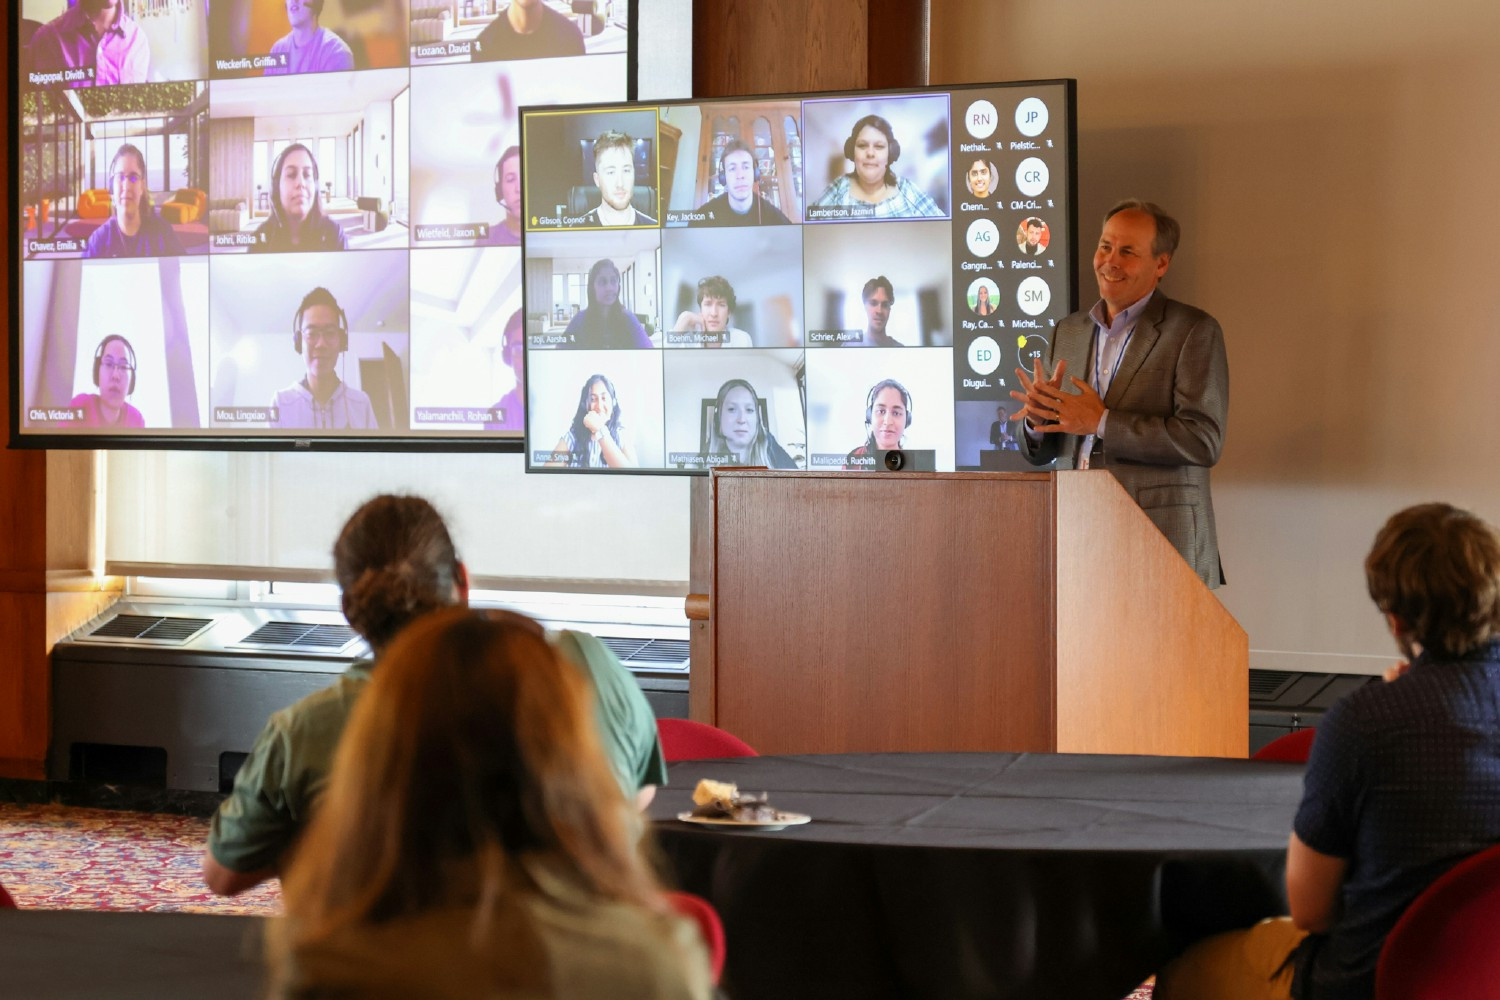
(394, 561)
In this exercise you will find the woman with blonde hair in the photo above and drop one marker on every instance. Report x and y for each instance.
(472, 840)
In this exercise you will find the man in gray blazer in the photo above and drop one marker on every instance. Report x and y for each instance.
(1153, 396)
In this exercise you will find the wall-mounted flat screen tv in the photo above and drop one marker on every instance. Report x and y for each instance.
(808, 281)
(282, 223)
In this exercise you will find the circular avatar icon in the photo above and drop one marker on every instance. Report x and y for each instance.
(981, 119)
(1030, 350)
(1032, 177)
(983, 237)
(984, 296)
(1031, 116)
(1032, 236)
(984, 355)
(1033, 296)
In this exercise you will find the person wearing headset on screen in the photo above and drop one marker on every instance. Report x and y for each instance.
(320, 400)
(980, 178)
(528, 29)
(506, 232)
(133, 228)
(512, 405)
(114, 375)
(605, 322)
(873, 149)
(309, 47)
(887, 416)
(297, 221)
(614, 176)
(739, 204)
(597, 436)
(95, 34)
(713, 317)
(737, 435)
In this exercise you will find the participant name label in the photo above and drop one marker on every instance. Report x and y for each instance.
(235, 239)
(246, 414)
(278, 61)
(83, 73)
(55, 414)
(54, 246)
(835, 336)
(442, 49)
(465, 231)
(459, 415)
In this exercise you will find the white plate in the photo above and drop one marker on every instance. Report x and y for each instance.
(781, 822)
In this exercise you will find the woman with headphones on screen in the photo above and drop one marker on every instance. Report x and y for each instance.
(872, 148)
(738, 432)
(114, 374)
(133, 228)
(605, 322)
(297, 221)
(320, 400)
(887, 416)
(597, 436)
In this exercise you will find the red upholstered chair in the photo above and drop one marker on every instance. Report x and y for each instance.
(1444, 945)
(6, 903)
(702, 913)
(1292, 748)
(683, 739)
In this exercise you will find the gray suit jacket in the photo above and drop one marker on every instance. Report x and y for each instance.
(1168, 405)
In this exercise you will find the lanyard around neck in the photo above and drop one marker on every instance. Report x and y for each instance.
(1099, 341)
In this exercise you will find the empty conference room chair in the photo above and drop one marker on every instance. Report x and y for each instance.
(683, 739)
(1443, 947)
(1292, 748)
(702, 913)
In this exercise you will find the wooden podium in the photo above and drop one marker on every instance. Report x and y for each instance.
(850, 612)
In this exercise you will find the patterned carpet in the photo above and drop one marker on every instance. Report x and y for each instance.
(66, 858)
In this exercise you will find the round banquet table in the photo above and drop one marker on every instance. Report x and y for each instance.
(993, 875)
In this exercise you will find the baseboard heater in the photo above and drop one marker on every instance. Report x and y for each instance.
(1282, 701)
(173, 696)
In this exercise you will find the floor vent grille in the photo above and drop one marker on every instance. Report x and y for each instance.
(300, 634)
(649, 652)
(153, 628)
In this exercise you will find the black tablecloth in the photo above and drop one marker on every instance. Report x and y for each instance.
(86, 954)
(949, 876)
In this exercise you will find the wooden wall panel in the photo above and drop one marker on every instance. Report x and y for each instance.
(755, 47)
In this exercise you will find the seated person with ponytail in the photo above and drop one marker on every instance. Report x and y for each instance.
(394, 561)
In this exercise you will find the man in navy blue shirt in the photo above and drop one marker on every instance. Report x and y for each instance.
(1403, 781)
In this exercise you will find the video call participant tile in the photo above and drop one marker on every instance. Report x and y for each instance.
(877, 158)
(467, 335)
(115, 347)
(464, 153)
(252, 38)
(302, 196)
(734, 408)
(732, 289)
(99, 44)
(987, 438)
(494, 30)
(594, 410)
(863, 404)
(311, 342)
(602, 294)
(748, 178)
(131, 199)
(592, 170)
(895, 291)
